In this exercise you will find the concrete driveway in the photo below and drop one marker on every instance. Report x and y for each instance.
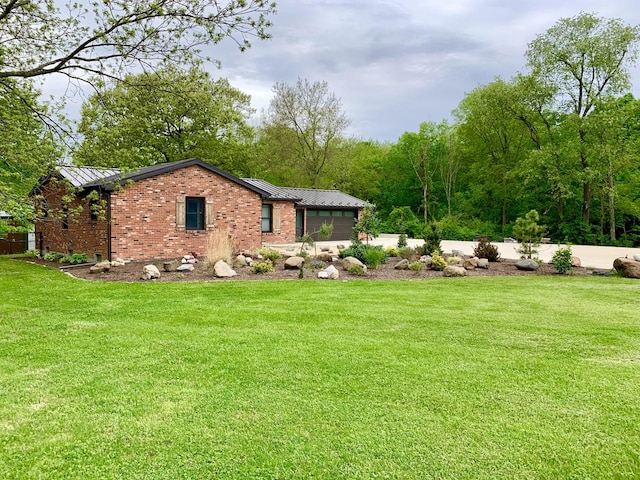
(590, 256)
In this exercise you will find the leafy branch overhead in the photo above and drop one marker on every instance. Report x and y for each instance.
(105, 38)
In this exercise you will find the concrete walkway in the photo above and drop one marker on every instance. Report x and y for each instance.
(590, 256)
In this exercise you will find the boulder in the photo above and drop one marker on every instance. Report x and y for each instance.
(453, 271)
(402, 265)
(185, 267)
(627, 267)
(240, 261)
(222, 270)
(457, 253)
(575, 262)
(330, 272)
(455, 261)
(483, 263)
(324, 257)
(294, 263)
(471, 263)
(100, 267)
(350, 262)
(528, 265)
(171, 265)
(149, 272)
(426, 259)
(636, 257)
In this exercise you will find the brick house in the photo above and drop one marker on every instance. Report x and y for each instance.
(167, 210)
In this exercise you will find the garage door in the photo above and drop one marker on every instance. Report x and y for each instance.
(343, 222)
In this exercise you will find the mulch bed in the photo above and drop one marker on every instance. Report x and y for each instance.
(132, 272)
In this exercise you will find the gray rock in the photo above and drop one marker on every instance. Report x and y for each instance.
(323, 275)
(185, 267)
(333, 272)
(351, 261)
(510, 240)
(627, 267)
(483, 263)
(402, 265)
(171, 265)
(636, 257)
(294, 263)
(149, 272)
(222, 270)
(457, 253)
(453, 271)
(528, 265)
(100, 267)
(240, 261)
(426, 259)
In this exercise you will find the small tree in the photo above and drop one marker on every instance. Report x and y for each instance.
(432, 239)
(368, 223)
(529, 233)
(562, 260)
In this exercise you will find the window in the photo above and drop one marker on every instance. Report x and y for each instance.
(266, 217)
(194, 213)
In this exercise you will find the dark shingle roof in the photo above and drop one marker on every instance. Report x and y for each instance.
(275, 193)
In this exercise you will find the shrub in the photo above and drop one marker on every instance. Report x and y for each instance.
(354, 250)
(392, 251)
(416, 266)
(562, 260)
(219, 246)
(407, 253)
(79, 258)
(318, 265)
(402, 240)
(432, 239)
(484, 249)
(454, 260)
(528, 233)
(32, 253)
(357, 270)
(373, 257)
(437, 261)
(269, 254)
(262, 267)
(53, 256)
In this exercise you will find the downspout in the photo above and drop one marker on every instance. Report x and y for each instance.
(109, 226)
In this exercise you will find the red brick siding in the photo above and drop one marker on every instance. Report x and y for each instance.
(284, 223)
(143, 215)
(84, 235)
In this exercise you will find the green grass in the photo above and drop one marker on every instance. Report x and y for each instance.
(524, 377)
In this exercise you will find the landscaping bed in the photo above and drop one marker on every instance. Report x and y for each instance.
(132, 272)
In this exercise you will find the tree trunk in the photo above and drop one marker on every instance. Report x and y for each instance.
(612, 204)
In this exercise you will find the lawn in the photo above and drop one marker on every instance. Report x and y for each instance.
(494, 377)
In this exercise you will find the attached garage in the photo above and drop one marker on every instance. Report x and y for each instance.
(343, 222)
(315, 207)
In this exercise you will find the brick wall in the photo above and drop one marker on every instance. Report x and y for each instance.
(144, 223)
(283, 225)
(83, 235)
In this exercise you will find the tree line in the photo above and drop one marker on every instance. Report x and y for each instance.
(560, 138)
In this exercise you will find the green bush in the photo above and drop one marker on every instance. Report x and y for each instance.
(437, 261)
(562, 260)
(416, 229)
(416, 266)
(407, 253)
(484, 249)
(402, 240)
(269, 254)
(373, 257)
(262, 267)
(53, 256)
(454, 228)
(32, 253)
(79, 258)
(357, 270)
(432, 239)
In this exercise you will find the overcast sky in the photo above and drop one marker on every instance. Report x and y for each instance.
(397, 63)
